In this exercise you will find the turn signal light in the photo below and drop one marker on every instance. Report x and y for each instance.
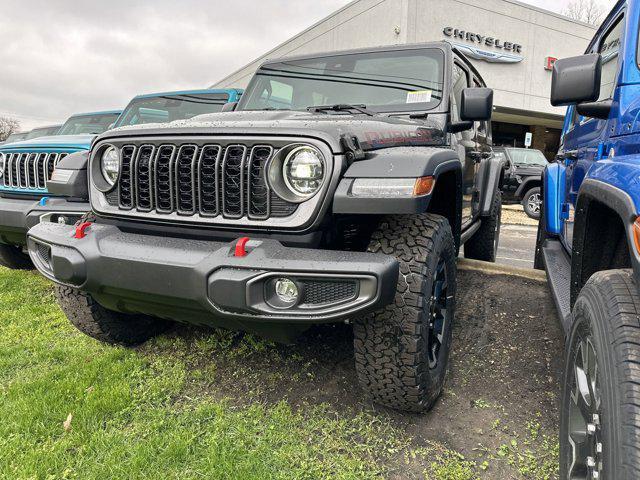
(423, 186)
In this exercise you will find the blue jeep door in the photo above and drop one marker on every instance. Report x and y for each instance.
(586, 138)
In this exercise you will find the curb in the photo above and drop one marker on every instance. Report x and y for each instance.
(497, 269)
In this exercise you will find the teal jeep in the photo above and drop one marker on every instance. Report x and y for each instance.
(26, 167)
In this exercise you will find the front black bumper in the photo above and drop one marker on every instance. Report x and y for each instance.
(18, 215)
(200, 281)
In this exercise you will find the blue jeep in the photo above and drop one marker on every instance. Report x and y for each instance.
(26, 167)
(589, 244)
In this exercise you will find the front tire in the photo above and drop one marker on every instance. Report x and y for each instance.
(532, 202)
(103, 324)
(402, 350)
(600, 415)
(13, 257)
(483, 245)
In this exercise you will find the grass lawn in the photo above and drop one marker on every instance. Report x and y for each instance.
(134, 414)
(198, 403)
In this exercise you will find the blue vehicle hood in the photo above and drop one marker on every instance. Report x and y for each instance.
(82, 142)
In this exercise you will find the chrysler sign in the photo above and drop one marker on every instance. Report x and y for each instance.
(501, 51)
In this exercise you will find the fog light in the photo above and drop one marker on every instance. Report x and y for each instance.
(286, 290)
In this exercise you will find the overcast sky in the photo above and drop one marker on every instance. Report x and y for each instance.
(59, 57)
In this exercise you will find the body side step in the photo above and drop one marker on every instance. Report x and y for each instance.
(558, 266)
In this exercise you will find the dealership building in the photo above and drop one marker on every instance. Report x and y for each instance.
(512, 44)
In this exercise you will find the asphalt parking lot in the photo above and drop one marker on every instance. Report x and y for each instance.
(517, 238)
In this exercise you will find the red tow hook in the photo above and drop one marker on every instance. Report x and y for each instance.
(81, 230)
(241, 251)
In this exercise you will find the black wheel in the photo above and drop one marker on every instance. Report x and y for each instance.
(531, 202)
(483, 245)
(106, 325)
(600, 416)
(13, 257)
(402, 350)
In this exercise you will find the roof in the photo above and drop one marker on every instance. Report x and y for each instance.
(190, 92)
(104, 112)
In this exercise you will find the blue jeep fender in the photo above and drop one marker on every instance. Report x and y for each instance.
(553, 182)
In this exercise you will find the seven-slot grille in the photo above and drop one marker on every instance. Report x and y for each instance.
(29, 170)
(205, 180)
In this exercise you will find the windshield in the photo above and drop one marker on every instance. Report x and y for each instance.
(15, 137)
(526, 156)
(391, 81)
(42, 132)
(85, 124)
(167, 108)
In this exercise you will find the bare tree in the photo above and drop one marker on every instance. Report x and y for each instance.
(8, 125)
(588, 11)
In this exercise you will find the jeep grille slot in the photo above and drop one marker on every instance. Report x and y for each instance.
(207, 180)
(125, 192)
(29, 171)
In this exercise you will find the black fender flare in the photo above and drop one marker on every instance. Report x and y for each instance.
(406, 162)
(70, 177)
(526, 185)
(618, 201)
(491, 171)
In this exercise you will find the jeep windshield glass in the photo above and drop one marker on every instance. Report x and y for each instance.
(42, 132)
(167, 108)
(390, 81)
(525, 156)
(85, 124)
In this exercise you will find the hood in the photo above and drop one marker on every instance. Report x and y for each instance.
(82, 142)
(373, 132)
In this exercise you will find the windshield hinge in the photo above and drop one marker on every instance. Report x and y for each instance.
(352, 148)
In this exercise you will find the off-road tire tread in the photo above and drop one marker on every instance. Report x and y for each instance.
(619, 292)
(481, 245)
(103, 324)
(390, 344)
(13, 257)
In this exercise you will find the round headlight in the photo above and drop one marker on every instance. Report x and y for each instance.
(2, 164)
(303, 170)
(110, 165)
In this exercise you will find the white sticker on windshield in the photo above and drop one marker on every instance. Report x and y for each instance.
(419, 96)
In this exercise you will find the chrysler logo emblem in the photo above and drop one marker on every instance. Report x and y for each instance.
(501, 51)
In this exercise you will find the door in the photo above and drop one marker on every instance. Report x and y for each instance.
(465, 144)
(586, 137)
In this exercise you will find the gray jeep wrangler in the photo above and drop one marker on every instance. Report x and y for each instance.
(340, 188)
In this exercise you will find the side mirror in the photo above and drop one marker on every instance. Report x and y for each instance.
(576, 80)
(476, 104)
(229, 106)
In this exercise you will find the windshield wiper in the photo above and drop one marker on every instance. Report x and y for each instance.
(341, 107)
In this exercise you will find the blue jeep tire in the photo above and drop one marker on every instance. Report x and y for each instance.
(600, 417)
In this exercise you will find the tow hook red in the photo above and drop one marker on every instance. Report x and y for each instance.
(241, 251)
(81, 230)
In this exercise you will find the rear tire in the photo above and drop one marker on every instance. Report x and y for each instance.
(532, 203)
(600, 415)
(105, 325)
(13, 257)
(402, 350)
(483, 245)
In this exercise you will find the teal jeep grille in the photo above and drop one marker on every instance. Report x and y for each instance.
(29, 171)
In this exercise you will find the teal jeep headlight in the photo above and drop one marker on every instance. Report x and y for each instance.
(110, 164)
(3, 160)
(303, 170)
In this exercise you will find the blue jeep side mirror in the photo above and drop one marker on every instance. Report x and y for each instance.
(576, 80)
